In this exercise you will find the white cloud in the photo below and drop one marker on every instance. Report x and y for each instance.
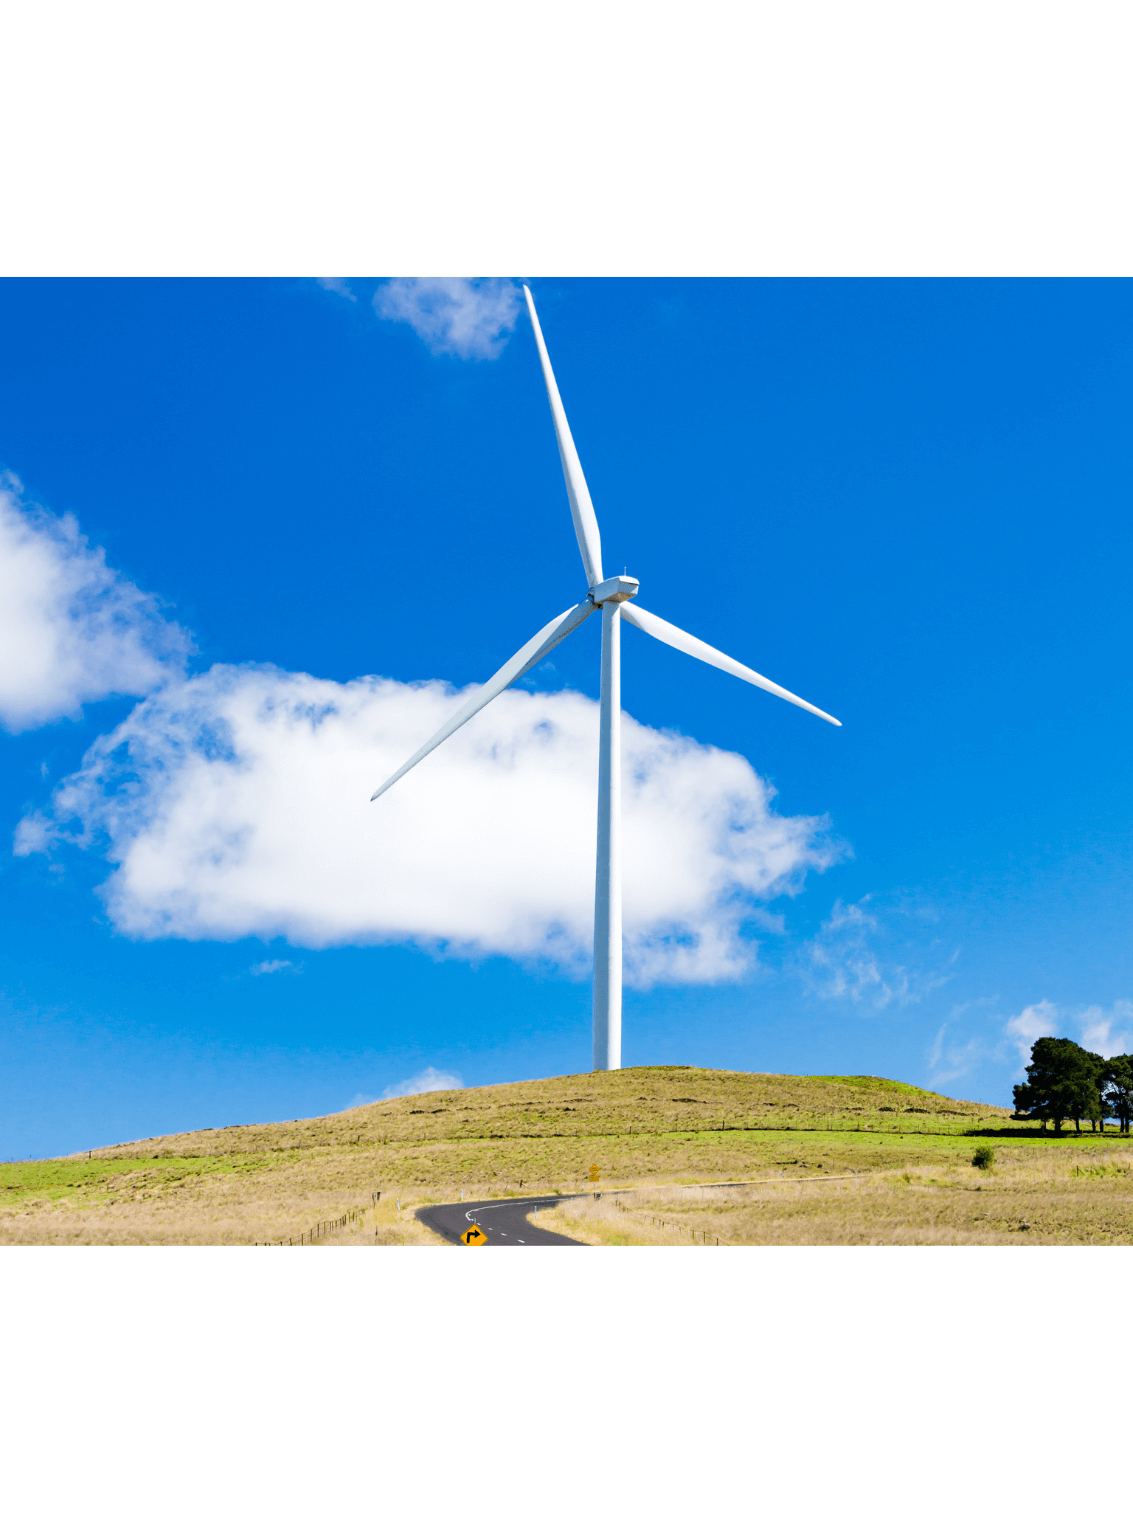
(71, 629)
(337, 285)
(276, 965)
(840, 961)
(843, 962)
(1030, 1024)
(952, 1061)
(1098, 1028)
(237, 805)
(468, 318)
(424, 1083)
(1105, 1032)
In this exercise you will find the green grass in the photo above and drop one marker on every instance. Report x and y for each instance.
(56, 1178)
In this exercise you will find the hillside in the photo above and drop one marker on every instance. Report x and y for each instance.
(645, 1125)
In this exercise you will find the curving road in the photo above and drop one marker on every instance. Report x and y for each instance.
(504, 1221)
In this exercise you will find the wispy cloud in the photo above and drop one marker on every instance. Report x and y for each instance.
(336, 284)
(852, 959)
(467, 318)
(424, 1083)
(236, 805)
(274, 966)
(840, 961)
(951, 1056)
(949, 1061)
(72, 630)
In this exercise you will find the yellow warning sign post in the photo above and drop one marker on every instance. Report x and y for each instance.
(593, 1173)
(475, 1237)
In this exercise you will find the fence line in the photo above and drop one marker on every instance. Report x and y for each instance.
(738, 1184)
(319, 1231)
(693, 1232)
(325, 1228)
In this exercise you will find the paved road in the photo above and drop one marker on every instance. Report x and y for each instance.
(505, 1222)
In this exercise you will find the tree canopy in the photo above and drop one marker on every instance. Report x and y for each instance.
(1064, 1082)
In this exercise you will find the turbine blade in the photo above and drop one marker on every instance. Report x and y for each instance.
(581, 508)
(534, 651)
(660, 629)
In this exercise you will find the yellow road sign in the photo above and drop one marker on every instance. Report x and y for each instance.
(593, 1173)
(475, 1237)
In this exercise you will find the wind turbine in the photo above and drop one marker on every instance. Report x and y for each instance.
(612, 595)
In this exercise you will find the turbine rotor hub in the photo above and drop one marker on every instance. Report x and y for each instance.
(615, 589)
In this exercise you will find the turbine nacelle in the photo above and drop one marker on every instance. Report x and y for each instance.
(615, 589)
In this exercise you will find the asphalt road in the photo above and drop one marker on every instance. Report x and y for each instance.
(505, 1222)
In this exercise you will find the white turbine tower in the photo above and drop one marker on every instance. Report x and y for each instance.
(612, 595)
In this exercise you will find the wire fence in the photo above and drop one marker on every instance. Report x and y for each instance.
(741, 1184)
(321, 1229)
(694, 1234)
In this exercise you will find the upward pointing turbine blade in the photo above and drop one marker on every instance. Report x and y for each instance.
(534, 651)
(581, 508)
(660, 629)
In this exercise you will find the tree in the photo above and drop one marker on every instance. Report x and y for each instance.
(1117, 1090)
(1064, 1081)
(1087, 1094)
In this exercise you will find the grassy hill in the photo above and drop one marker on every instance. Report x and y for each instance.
(639, 1126)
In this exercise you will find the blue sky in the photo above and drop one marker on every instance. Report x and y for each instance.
(905, 500)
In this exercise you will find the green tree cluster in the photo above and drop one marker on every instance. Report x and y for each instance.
(1065, 1082)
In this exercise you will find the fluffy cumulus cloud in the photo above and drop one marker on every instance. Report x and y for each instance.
(1107, 1032)
(236, 804)
(1102, 1031)
(468, 318)
(72, 630)
(1035, 1021)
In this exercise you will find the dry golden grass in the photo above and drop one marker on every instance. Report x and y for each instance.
(1030, 1197)
(645, 1126)
(166, 1206)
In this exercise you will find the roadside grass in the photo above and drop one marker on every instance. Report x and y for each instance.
(233, 1200)
(645, 1127)
(1030, 1198)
